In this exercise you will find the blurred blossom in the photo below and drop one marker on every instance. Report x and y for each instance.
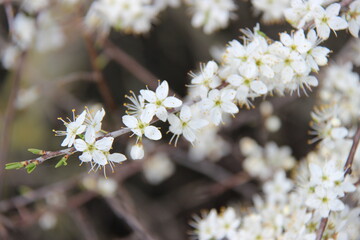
(27, 97)
(107, 187)
(273, 123)
(48, 220)
(157, 168)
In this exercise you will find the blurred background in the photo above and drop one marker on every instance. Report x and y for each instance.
(134, 202)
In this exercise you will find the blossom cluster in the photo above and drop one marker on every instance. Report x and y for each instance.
(85, 133)
(280, 214)
(261, 162)
(303, 12)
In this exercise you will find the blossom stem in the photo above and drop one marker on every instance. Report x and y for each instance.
(321, 229)
(350, 159)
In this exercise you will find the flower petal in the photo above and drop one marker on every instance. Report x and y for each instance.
(148, 95)
(117, 157)
(130, 121)
(162, 91)
(152, 133)
(99, 157)
(104, 144)
(172, 102)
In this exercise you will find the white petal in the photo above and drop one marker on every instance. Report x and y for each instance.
(235, 80)
(267, 71)
(286, 39)
(90, 135)
(162, 91)
(287, 74)
(198, 123)
(69, 140)
(81, 118)
(162, 114)
(315, 172)
(189, 134)
(137, 152)
(152, 133)
(215, 115)
(259, 87)
(172, 102)
(85, 157)
(99, 157)
(319, 54)
(130, 121)
(117, 157)
(207, 104)
(80, 145)
(81, 129)
(211, 68)
(336, 205)
(354, 28)
(323, 31)
(339, 133)
(104, 144)
(148, 95)
(337, 23)
(229, 107)
(174, 120)
(214, 94)
(148, 113)
(185, 113)
(228, 95)
(333, 9)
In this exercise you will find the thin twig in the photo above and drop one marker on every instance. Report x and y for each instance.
(102, 85)
(133, 66)
(9, 15)
(82, 221)
(126, 171)
(350, 159)
(121, 211)
(320, 231)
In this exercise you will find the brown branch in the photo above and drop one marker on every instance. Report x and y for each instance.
(9, 115)
(126, 171)
(101, 82)
(133, 66)
(129, 63)
(32, 196)
(9, 11)
(120, 209)
(320, 231)
(350, 159)
(82, 221)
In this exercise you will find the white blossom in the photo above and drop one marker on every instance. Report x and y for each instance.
(141, 126)
(328, 19)
(73, 128)
(185, 124)
(219, 102)
(159, 102)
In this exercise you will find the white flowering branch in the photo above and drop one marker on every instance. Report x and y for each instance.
(347, 170)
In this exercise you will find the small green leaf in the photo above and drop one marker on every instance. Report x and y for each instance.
(82, 136)
(36, 151)
(261, 34)
(14, 165)
(62, 161)
(30, 168)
